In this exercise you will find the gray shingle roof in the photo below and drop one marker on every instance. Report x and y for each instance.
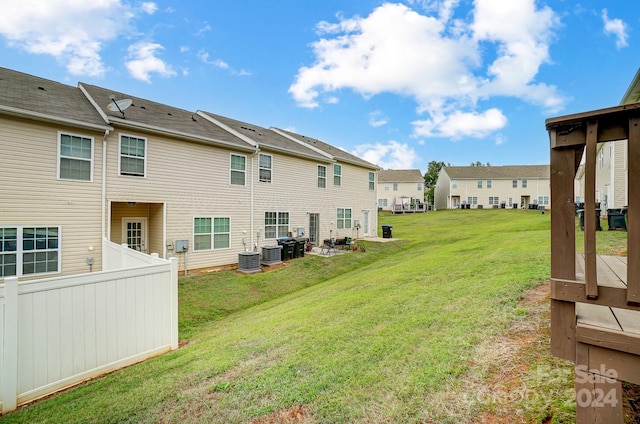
(497, 172)
(268, 139)
(337, 153)
(400, 176)
(147, 113)
(34, 96)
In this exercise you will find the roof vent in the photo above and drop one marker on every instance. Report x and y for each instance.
(41, 88)
(142, 107)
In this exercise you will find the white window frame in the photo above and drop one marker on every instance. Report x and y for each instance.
(472, 200)
(494, 200)
(489, 183)
(337, 175)
(524, 183)
(420, 187)
(212, 234)
(372, 181)
(277, 228)
(322, 179)
(344, 222)
(479, 183)
(454, 183)
(386, 186)
(395, 186)
(144, 158)
(61, 156)
(264, 168)
(543, 200)
(20, 252)
(382, 203)
(242, 171)
(514, 184)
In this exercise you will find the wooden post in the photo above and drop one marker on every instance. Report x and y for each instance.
(590, 273)
(633, 212)
(563, 251)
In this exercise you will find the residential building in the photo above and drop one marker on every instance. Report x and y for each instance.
(82, 164)
(400, 189)
(493, 187)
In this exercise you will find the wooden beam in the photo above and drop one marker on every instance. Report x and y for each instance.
(608, 338)
(575, 291)
(626, 365)
(633, 212)
(563, 328)
(590, 271)
(598, 398)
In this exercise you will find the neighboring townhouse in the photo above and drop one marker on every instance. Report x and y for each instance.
(347, 205)
(493, 187)
(400, 189)
(76, 170)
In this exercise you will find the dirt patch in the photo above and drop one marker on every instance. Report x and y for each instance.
(293, 415)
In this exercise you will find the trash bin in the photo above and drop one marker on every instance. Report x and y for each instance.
(298, 250)
(386, 231)
(515, 206)
(503, 205)
(581, 214)
(288, 245)
(616, 219)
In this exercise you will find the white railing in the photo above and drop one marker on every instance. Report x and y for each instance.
(57, 332)
(118, 256)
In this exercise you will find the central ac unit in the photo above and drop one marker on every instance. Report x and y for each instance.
(271, 255)
(249, 262)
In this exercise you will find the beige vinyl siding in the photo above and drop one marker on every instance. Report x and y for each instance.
(192, 180)
(503, 189)
(620, 174)
(32, 195)
(294, 189)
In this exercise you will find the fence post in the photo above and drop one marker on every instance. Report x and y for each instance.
(123, 255)
(174, 303)
(10, 357)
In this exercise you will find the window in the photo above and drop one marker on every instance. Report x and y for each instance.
(265, 165)
(211, 233)
(454, 183)
(494, 200)
(238, 168)
(337, 175)
(514, 184)
(543, 200)
(479, 183)
(29, 250)
(133, 156)
(382, 203)
(420, 187)
(386, 186)
(524, 183)
(322, 176)
(75, 157)
(472, 200)
(372, 181)
(343, 218)
(276, 224)
(488, 183)
(395, 186)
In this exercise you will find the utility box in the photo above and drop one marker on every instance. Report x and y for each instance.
(182, 246)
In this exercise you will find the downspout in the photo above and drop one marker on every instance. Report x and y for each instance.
(251, 212)
(104, 183)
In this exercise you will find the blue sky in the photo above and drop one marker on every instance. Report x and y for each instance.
(397, 83)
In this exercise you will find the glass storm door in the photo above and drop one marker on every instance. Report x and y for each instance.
(134, 233)
(314, 228)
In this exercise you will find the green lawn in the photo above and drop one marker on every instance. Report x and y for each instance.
(378, 336)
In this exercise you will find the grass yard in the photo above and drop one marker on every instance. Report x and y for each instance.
(430, 328)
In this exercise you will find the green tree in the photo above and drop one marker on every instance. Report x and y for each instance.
(431, 178)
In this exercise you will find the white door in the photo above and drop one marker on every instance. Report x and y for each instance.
(365, 223)
(134, 233)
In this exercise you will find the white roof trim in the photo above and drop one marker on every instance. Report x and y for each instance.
(227, 128)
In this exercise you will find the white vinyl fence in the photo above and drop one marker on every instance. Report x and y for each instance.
(57, 332)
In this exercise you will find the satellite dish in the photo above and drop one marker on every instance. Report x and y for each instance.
(119, 105)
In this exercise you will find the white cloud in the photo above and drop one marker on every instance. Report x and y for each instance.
(616, 27)
(143, 62)
(445, 65)
(392, 155)
(377, 119)
(149, 7)
(72, 31)
(461, 124)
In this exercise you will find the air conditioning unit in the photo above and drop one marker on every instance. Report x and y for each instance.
(271, 255)
(249, 262)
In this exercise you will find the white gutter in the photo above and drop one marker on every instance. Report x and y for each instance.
(8, 110)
